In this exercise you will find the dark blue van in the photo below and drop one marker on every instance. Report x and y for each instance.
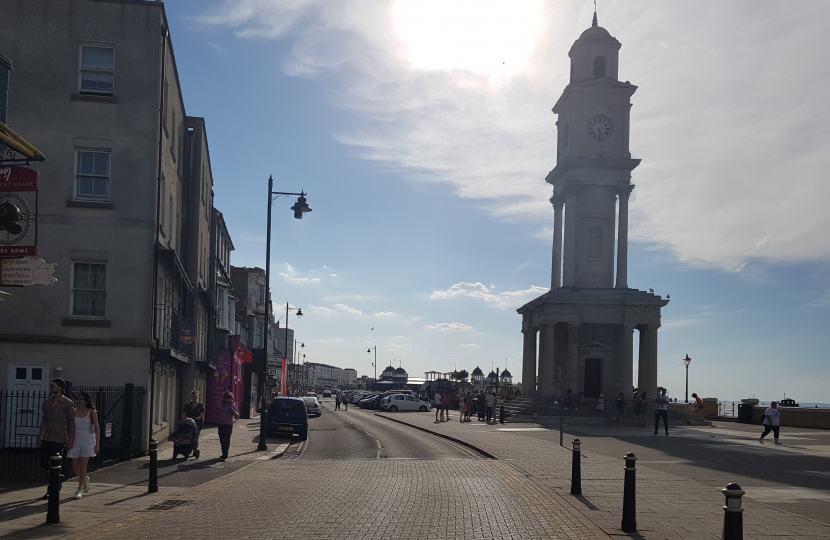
(288, 416)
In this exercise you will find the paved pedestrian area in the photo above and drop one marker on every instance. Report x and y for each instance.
(371, 498)
(669, 505)
(120, 491)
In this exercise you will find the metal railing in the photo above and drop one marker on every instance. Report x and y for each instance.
(120, 416)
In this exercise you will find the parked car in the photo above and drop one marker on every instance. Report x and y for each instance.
(312, 406)
(403, 402)
(311, 394)
(288, 416)
(326, 393)
(366, 402)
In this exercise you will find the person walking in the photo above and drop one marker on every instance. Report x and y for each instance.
(57, 426)
(640, 407)
(445, 404)
(437, 402)
(346, 402)
(620, 403)
(490, 404)
(662, 410)
(468, 403)
(461, 405)
(87, 440)
(481, 405)
(228, 414)
(195, 410)
(772, 422)
(337, 402)
(601, 404)
(698, 406)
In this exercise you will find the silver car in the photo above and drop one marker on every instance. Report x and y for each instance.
(312, 406)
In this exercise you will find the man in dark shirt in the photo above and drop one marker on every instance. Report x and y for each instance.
(57, 428)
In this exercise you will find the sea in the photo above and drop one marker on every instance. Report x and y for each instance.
(726, 408)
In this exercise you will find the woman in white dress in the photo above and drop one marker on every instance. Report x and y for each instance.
(87, 435)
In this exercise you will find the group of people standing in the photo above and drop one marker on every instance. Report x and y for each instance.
(226, 414)
(483, 403)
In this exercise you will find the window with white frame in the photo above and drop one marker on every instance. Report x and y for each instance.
(89, 289)
(92, 175)
(97, 73)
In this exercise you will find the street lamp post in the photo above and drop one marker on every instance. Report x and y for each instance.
(299, 315)
(300, 207)
(687, 361)
(375, 363)
(295, 360)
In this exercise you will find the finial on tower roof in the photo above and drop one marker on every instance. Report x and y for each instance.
(595, 14)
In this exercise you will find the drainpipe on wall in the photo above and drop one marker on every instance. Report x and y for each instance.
(154, 299)
(5, 68)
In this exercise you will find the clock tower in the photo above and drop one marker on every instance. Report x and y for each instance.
(585, 324)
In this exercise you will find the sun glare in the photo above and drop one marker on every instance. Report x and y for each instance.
(483, 36)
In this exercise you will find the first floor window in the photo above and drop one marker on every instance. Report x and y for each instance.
(89, 289)
(97, 70)
(259, 332)
(92, 178)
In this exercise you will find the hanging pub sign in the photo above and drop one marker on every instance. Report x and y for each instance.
(18, 190)
(18, 178)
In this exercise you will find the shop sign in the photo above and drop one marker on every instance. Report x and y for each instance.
(17, 178)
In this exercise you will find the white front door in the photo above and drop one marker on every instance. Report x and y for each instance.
(28, 386)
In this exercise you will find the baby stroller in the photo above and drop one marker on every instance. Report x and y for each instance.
(183, 437)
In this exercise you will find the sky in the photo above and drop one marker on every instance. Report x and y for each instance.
(422, 132)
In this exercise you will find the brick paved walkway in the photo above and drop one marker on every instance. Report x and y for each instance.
(669, 506)
(372, 499)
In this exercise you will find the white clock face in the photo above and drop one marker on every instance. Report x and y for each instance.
(599, 127)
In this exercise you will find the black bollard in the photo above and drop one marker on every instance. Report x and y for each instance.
(629, 519)
(153, 486)
(576, 471)
(733, 517)
(263, 429)
(53, 510)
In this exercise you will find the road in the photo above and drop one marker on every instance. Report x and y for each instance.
(362, 476)
(360, 434)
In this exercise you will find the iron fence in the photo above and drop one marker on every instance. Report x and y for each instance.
(120, 416)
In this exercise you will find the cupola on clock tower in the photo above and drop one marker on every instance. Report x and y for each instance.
(586, 322)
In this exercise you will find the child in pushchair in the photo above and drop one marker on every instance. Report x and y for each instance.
(183, 437)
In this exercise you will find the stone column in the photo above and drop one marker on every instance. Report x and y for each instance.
(529, 362)
(556, 264)
(642, 363)
(622, 238)
(625, 360)
(540, 378)
(572, 361)
(548, 376)
(569, 266)
(651, 379)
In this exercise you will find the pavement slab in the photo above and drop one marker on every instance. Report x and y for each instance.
(669, 505)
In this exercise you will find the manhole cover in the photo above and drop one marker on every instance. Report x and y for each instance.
(164, 505)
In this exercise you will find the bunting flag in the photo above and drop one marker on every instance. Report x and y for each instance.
(283, 376)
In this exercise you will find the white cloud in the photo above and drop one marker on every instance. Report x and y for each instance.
(289, 276)
(320, 309)
(333, 275)
(385, 314)
(347, 309)
(822, 301)
(468, 345)
(448, 326)
(729, 120)
(504, 300)
(355, 298)
(673, 324)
